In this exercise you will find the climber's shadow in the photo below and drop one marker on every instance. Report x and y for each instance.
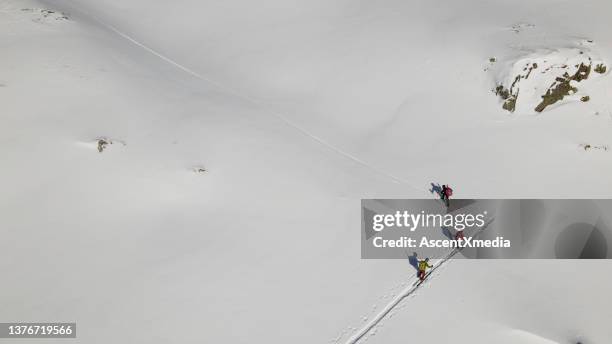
(413, 260)
(436, 188)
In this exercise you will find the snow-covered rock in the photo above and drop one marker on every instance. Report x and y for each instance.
(545, 78)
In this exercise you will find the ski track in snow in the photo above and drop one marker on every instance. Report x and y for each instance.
(248, 99)
(406, 292)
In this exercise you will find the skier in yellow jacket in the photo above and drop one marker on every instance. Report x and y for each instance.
(423, 265)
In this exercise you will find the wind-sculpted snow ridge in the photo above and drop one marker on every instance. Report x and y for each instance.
(546, 77)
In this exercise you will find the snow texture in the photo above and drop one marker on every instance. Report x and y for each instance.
(238, 138)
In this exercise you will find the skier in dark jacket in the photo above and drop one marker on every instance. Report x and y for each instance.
(445, 194)
(459, 235)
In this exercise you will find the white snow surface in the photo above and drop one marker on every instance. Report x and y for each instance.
(242, 136)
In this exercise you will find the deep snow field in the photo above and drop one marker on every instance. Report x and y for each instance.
(191, 171)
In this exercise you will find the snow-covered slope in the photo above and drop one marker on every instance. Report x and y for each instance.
(403, 85)
(244, 134)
